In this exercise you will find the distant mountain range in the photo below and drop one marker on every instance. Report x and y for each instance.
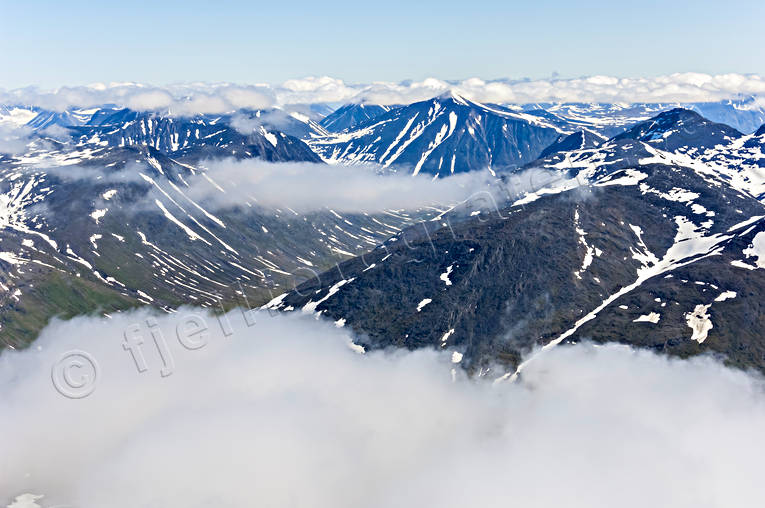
(744, 115)
(198, 136)
(409, 138)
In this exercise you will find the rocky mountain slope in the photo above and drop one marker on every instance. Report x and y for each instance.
(627, 243)
(111, 219)
(576, 141)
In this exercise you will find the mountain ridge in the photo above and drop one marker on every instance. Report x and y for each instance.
(444, 135)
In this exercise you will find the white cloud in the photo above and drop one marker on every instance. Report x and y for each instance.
(151, 100)
(306, 186)
(271, 119)
(681, 87)
(216, 98)
(285, 413)
(247, 98)
(315, 90)
(189, 99)
(14, 139)
(390, 93)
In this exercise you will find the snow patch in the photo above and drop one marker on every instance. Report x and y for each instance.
(653, 317)
(445, 276)
(97, 215)
(446, 336)
(25, 501)
(757, 250)
(727, 295)
(699, 322)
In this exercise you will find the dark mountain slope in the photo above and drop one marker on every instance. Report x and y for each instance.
(351, 116)
(730, 295)
(557, 266)
(575, 141)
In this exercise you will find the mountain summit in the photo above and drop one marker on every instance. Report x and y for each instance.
(441, 136)
(679, 128)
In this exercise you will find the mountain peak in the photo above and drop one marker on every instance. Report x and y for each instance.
(452, 95)
(680, 113)
(680, 129)
(439, 136)
(352, 115)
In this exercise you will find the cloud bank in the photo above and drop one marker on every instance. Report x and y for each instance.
(284, 413)
(217, 98)
(189, 99)
(13, 139)
(306, 187)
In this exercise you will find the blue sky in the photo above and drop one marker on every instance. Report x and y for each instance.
(50, 43)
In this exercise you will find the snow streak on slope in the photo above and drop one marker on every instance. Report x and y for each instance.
(692, 240)
(173, 230)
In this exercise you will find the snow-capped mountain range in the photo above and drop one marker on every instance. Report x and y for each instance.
(651, 235)
(745, 115)
(451, 134)
(185, 136)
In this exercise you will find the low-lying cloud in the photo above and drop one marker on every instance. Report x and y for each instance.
(216, 98)
(13, 139)
(307, 186)
(303, 187)
(16, 139)
(284, 413)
